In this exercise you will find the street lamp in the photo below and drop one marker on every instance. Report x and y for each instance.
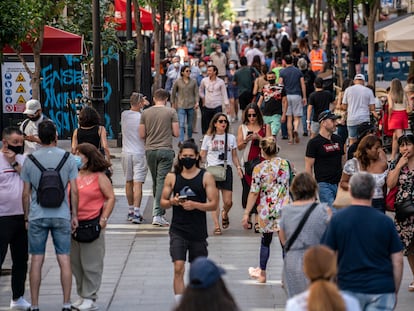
(351, 54)
(97, 88)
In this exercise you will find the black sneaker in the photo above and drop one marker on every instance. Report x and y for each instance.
(305, 134)
(64, 309)
(284, 137)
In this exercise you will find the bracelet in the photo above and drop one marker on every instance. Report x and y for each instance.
(104, 219)
(238, 166)
(308, 121)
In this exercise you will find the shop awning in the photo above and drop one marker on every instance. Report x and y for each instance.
(120, 16)
(55, 42)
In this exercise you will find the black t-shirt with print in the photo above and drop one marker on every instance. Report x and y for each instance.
(272, 99)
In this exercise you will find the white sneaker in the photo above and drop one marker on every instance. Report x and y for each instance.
(87, 305)
(77, 303)
(19, 304)
(160, 221)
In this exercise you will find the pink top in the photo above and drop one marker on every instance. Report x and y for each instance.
(91, 198)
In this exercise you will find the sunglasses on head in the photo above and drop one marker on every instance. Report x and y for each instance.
(222, 121)
(252, 115)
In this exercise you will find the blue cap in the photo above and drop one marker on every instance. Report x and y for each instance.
(204, 273)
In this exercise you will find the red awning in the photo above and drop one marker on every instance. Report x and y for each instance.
(55, 42)
(120, 16)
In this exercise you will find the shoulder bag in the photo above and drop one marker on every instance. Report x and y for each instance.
(299, 228)
(220, 172)
(343, 197)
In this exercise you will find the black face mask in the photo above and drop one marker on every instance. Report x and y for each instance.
(187, 162)
(16, 149)
(34, 119)
(272, 81)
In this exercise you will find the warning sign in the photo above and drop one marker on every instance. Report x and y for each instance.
(20, 89)
(21, 100)
(16, 90)
(20, 78)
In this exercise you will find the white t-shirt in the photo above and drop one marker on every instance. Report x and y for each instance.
(215, 147)
(31, 129)
(358, 98)
(300, 302)
(131, 142)
(11, 187)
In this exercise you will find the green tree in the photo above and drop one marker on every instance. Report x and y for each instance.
(371, 10)
(25, 21)
(223, 9)
(340, 11)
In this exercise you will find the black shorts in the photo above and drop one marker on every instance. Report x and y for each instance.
(245, 98)
(228, 183)
(179, 247)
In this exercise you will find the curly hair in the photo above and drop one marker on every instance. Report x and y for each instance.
(364, 145)
(88, 116)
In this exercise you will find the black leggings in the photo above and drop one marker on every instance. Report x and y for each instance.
(265, 249)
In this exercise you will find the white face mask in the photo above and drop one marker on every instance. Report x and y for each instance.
(231, 66)
(176, 65)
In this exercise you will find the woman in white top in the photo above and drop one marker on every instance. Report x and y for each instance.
(319, 265)
(212, 153)
(369, 157)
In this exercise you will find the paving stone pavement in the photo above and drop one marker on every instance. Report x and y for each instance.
(138, 271)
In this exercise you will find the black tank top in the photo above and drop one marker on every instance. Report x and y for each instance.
(190, 225)
(89, 136)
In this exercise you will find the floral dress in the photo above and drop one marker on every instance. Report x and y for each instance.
(405, 227)
(271, 181)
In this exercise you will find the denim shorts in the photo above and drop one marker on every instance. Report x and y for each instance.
(38, 232)
(384, 301)
(352, 131)
(179, 247)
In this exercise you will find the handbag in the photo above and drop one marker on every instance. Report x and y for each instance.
(302, 222)
(218, 171)
(390, 199)
(404, 209)
(342, 199)
(249, 166)
(87, 230)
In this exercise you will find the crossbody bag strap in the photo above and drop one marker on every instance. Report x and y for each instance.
(302, 222)
(225, 150)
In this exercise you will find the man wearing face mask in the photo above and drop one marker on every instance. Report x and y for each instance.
(29, 127)
(273, 103)
(318, 58)
(219, 60)
(12, 222)
(191, 192)
(173, 73)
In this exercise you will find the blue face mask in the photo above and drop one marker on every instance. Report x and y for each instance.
(78, 161)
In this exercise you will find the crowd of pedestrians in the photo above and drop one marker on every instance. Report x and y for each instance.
(272, 82)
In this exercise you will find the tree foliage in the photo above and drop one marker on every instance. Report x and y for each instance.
(224, 9)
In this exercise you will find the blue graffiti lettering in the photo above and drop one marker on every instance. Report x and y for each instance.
(65, 120)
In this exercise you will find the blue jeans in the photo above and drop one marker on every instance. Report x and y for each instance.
(159, 163)
(304, 118)
(184, 114)
(39, 230)
(327, 193)
(374, 302)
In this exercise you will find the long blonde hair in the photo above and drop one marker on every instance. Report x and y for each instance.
(319, 265)
(396, 91)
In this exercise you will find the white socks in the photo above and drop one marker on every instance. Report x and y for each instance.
(177, 298)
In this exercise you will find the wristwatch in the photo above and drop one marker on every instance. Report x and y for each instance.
(14, 164)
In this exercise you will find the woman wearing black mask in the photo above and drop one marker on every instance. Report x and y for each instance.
(191, 191)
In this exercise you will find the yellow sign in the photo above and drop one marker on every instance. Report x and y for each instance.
(20, 89)
(20, 78)
(21, 100)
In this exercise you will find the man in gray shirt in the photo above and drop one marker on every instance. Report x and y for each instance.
(157, 126)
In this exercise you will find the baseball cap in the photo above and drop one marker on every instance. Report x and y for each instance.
(32, 106)
(204, 273)
(327, 114)
(359, 76)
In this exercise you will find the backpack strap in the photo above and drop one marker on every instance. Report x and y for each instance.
(36, 162)
(24, 124)
(62, 162)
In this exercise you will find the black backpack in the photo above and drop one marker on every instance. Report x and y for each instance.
(50, 191)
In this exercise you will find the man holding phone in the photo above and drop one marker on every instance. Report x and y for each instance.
(191, 192)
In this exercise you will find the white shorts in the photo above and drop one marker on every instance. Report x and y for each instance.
(134, 166)
(295, 105)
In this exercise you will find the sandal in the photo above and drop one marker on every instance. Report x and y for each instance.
(411, 287)
(249, 225)
(225, 222)
(217, 231)
(256, 228)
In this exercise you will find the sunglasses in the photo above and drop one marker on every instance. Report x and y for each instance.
(187, 71)
(253, 115)
(222, 121)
